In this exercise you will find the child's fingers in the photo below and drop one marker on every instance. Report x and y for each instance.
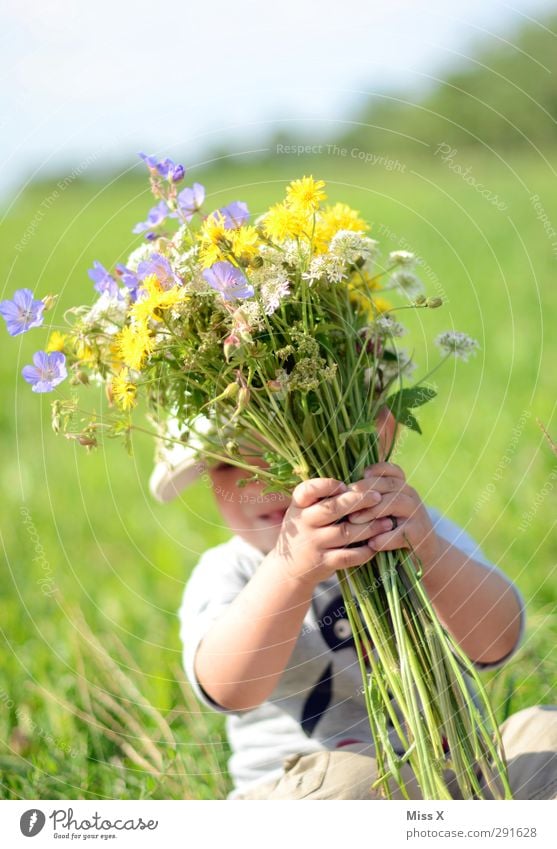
(391, 540)
(384, 469)
(309, 492)
(347, 558)
(379, 483)
(344, 533)
(330, 510)
(398, 504)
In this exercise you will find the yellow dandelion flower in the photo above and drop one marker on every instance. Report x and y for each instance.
(245, 242)
(381, 305)
(364, 280)
(372, 307)
(56, 341)
(333, 218)
(306, 194)
(123, 390)
(214, 240)
(84, 352)
(282, 222)
(134, 344)
(157, 298)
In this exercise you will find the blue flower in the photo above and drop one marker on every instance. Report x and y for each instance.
(104, 282)
(167, 169)
(129, 279)
(160, 267)
(190, 201)
(235, 214)
(155, 216)
(49, 370)
(22, 313)
(229, 280)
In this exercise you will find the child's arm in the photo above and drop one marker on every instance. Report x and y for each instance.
(241, 658)
(477, 604)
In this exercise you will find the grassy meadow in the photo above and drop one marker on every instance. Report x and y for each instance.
(93, 703)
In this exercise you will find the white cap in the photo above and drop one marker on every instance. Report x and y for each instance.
(178, 464)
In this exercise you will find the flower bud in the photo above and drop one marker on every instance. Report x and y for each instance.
(243, 398)
(257, 261)
(420, 300)
(231, 391)
(49, 301)
(87, 440)
(177, 173)
(433, 303)
(231, 344)
(56, 417)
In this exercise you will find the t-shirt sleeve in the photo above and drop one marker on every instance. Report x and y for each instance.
(456, 536)
(213, 585)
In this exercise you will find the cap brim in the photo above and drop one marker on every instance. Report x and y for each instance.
(167, 482)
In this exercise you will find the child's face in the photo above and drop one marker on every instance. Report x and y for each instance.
(255, 517)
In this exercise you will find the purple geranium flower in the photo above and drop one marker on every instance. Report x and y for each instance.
(235, 214)
(229, 280)
(104, 282)
(22, 313)
(49, 370)
(167, 169)
(129, 279)
(160, 267)
(190, 200)
(155, 216)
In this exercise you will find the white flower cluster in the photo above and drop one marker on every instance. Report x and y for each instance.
(326, 267)
(351, 246)
(272, 292)
(408, 283)
(107, 313)
(402, 258)
(387, 326)
(459, 344)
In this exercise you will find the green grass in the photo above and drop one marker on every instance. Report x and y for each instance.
(92, 697)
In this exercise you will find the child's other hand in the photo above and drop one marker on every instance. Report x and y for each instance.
(411, 528)
(315, 537)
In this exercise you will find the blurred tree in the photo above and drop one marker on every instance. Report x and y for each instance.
(501, 97)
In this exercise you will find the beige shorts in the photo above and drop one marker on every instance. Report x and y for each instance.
(529, 739)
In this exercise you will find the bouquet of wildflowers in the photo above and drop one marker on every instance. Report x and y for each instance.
(280, 328)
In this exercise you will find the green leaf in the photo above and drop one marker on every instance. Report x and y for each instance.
(407, 418)
(410, 397)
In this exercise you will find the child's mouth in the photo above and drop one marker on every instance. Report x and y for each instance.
(273, 516)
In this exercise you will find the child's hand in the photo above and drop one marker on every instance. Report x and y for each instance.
(409, 522)
(313, 540)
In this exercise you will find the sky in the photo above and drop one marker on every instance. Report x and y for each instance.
(87, 85)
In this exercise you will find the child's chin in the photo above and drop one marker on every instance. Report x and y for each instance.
(263, 538)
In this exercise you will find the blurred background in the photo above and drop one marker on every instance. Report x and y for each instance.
(440, 126)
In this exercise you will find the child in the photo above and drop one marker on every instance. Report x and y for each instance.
(267, 640)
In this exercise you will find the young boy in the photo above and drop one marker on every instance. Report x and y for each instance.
(267, 640)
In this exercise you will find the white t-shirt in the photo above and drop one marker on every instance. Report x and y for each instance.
(318, 702)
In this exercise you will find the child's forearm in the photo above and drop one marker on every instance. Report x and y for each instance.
(242, 657)
(478, 606)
